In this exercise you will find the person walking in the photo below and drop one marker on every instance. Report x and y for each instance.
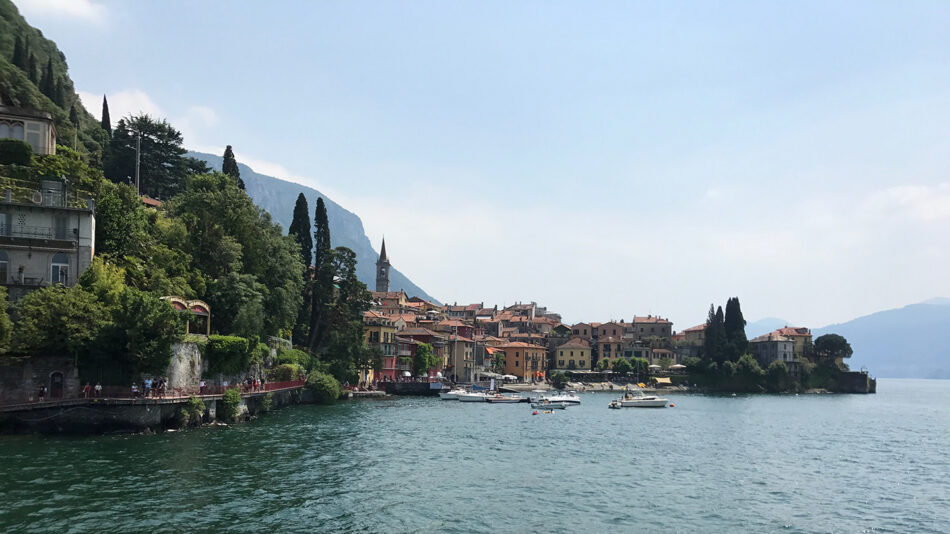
(98, 389)
(86, 390)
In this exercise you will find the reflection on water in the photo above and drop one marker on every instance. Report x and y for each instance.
(751, 464)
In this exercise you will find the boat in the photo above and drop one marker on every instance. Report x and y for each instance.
(505, 399)
(548, 405)
(615, 404)
(568, 398)
(637, 399)
(474, 396)
(451, 395)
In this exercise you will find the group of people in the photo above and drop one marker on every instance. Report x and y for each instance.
(88, 390)
(150, 387)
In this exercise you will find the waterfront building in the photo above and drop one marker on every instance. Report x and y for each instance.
(32, 126)
(526, 361)
(460, 365)
(612, 329)
(772, 347)
(584, 330)
(609, 348)
(379, 332)
(695, 336)
(799, 335)
(43, 240)
(575, 354)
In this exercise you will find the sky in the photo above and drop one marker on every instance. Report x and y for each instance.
(603, 159)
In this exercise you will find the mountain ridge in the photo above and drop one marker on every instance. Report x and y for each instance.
(278, 197)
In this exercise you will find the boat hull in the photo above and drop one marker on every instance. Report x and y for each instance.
(644, 403)
(548, 406)
(471, 398)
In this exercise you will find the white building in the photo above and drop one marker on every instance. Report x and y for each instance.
(773, 347)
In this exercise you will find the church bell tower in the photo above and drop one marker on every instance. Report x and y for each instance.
(382, 270)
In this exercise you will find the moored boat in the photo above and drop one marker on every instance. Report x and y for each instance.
(452, 395)
(474, 396)
(548, 405)
(505, 399)
(637, 399)
(569, 397)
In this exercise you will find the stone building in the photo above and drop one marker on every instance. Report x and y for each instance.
(32, 126)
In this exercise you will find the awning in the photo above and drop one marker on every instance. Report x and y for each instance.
(663, 380)
(678, 366)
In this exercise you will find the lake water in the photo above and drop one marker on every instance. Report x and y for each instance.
(809, 463)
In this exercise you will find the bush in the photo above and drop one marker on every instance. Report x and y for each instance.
(294, 356)
(558, 380)
(259, 353)
(228, 407)
(14, 151)
(227, 354)
(325, 388)
(285, 372)
(267, 403)
(193, 411)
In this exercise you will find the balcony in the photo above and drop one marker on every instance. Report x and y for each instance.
(17, 233)
(405, 353)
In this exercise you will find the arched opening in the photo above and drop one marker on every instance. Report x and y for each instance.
(56, 385)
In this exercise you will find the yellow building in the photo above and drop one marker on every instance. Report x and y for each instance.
(378, 332)
(574, 354)
(609, 349)
(527, 362)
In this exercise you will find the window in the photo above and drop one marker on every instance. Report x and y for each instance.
(516, 363)
(572, 353)
(4, 263)
(59, 269)
(562, 353)
(560, 363)
(16, 131)
(583, 363)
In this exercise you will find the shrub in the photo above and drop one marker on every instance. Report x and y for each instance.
(16, 152)
(259, 353)
(227, 354)
(285, 372)
(558, 380)
(267, 403)
(193, 411)
(295, 356)
(228, 407)
(325, 388)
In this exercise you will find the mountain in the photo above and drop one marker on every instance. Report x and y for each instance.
(346, 229)
(908, 342)
(764, 326)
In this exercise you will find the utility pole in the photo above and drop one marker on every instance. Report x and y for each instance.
(138, 150)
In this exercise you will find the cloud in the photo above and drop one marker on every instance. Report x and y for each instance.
(916, 202)
(74, 9)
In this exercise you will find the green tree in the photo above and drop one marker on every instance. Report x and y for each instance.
(300, 229)
(640, 366)
(777, 376)
(163, 167)
(603, 365)
(56, 320)
(498, 363)
(326, 389)
(665, 362)
(141, 332)
(424, 360)
(33, 70)
(714, 344)
(48, 81)
(558, 380)
(19, 57)
(832, 348)
(734, 326)
(622, 366)
(321, 286)
(6, 325)
(106, 121)
(237, 300)
(230, 167)
(120, 222)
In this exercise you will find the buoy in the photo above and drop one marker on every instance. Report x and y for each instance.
(672, 405)
(534, 412)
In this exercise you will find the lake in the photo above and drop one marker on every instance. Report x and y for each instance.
(808, 463)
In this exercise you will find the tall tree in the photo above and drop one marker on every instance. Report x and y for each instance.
(714, 344)
(19, 57)
(48, 81)
(33, 69)
(74, 116)
(300, 229)
(322, 283)
(230, 167)
(734, 324)
(106, 121)
(163, 167)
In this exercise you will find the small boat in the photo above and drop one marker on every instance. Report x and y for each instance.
(568, 398)
(637, 399)
(548, 405)
(505, 399)
(451, 395)
(474, 396)
(615, 404)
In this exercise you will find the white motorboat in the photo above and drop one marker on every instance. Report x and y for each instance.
(473, 396)
(637, 399)
(568, 398)
(452, 395)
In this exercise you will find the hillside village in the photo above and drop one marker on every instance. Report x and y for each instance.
(526, 341)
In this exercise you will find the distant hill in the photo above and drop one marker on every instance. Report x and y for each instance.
(764, 326)
(908, 342)
(346, 229)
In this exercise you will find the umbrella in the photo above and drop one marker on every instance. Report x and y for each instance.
(654, 367)
(510, 377)
(438, 375)
(678, 366)
(423, 375)
(406, 373)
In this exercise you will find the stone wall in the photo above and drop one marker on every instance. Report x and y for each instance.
(186, 365)
(21, 379)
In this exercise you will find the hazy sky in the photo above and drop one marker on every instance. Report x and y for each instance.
(602, 158)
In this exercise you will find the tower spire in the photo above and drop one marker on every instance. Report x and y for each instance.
(382, 270)
(382, 252)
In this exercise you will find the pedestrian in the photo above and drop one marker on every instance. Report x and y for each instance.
(98, 389)
(85, 390)
(148, 386)
(135, 390)
(41, 394)
(201, 387)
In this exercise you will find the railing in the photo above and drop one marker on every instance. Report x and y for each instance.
(35, 232)
(123, 392)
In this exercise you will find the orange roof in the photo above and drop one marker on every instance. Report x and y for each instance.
(521, 345)
(697, 328)
(650, 319)
(149, 201)
(576, 343)
(793, 331)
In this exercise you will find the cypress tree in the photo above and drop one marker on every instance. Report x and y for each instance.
(322, 283)
(60, 94)
(230, 167)
(48, 82)
(300, 229)
(33, 70)
(18, 56)
(734, 325)
(714, 346)
(106, 120)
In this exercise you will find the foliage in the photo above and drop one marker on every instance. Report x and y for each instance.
(640, 365)
(499, 362)
(665, 362)
(230, 167)
(325, 388)
(286, 371)
(300, 229)
(141, 332)
(227, 354)
(15, 152)
(229, 405)
(558, 379)
(69, 163)
(6, 325)
(106, 121)
(424, 359)
(192, 411)
(777, 377)
(831, 347)
(294, 356)
(603, 364)
(734, 325)
(267, 402)
(622, 366)
(714, 344)
(120, 223)
(343, 319)
(57, 320)
(321, 285)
